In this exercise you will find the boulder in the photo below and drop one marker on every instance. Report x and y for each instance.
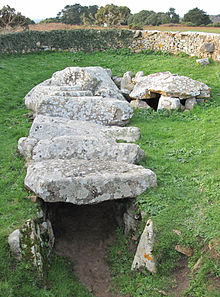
(168, 103)
(105, 111)
(169, 85)
(87, 182)
(14, 243)
(95, 79)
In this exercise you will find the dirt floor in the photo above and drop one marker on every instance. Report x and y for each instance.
(82, 234)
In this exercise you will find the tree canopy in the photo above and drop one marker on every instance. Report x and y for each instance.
(197, 17)
(112, 15)
(76, 14)
(9, 19)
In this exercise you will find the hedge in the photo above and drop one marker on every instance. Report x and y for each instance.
(75, 40)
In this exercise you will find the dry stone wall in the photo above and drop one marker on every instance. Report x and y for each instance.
(200, 44)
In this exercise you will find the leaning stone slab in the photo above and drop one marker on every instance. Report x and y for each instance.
(80, 147)
(105, 111)
(87, 182)
(45, 127)
(170, 85)
(95, 79)
(144, 255)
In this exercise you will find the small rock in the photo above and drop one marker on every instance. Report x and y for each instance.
(203, 62)
(14, 243)
(184, 250)
(126, 81)
(190, 103)
(168, 103)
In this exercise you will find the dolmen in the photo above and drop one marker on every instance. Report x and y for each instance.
(78, 149)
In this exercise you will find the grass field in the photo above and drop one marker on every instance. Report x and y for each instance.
(181, 147)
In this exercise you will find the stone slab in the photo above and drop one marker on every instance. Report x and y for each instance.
(45, 127)
(105, 111)
(87, 182)
(170, 85)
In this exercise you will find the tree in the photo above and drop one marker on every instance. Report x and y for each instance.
(197, 17)
(76, 14)
(174, 18)
(9, 19)
(112, 15)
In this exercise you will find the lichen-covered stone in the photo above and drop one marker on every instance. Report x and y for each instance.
(14, 243)
(45, 127)
(81, 147)
(168, 103)
(105, 111)
(144, 255)
(139, 104)
(95, 79)
(87, 182)
(169, 85)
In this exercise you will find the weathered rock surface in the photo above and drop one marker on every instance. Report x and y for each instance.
(95, 79)
(203, 62)
(80, 147)
(106, 111)
(44, 127)
(87, 182)
(33, 242)
(190, 103)
(170, 85)
(139, 104)
(168, 103)
(144, 257)
(127, 84)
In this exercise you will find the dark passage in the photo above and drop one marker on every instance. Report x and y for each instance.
(82, 234)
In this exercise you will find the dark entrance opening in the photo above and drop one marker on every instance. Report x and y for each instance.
(153, 101)
(82, 234)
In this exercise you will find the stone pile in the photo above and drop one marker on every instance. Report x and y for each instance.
(163, 90)
(76, 150)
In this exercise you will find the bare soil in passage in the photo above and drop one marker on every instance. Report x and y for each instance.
(82, 235)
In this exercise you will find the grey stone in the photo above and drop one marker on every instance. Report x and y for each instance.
(170, 85)
(95, 79)
(190, 103)
(105, 111)
(44, 127)
(14, 243)
(81, 147)
(139, 104)
(168, 103)
(87, 182)
(210, 47)
(144, 257)
(203, 62)
(117, 81)
(126, 81)
(139, 74)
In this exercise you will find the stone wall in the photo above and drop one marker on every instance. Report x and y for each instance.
(202, 45)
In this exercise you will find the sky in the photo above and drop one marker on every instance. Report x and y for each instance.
(42, 9)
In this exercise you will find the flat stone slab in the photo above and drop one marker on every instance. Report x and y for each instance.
(170, 85)
(87, 182)
(35, 96)
(105, 111)
(79, 147)
(45, 127)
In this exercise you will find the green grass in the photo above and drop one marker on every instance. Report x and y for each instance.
(182, 148)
